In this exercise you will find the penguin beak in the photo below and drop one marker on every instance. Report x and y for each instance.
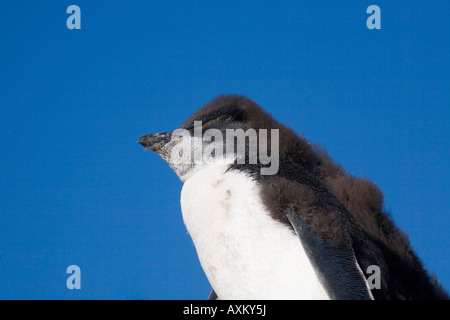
(155, 141)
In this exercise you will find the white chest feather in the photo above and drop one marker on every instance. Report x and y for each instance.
(243, 251)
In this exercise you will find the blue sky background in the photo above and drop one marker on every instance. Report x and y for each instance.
(76, 188)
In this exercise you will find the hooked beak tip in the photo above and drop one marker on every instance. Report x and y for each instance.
(141, 141)
(154, 141)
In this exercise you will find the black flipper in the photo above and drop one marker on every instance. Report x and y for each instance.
(336, 267)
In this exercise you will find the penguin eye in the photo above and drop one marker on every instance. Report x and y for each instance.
(225, 118)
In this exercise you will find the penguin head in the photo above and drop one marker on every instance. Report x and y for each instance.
(213, 133)
(200, 140)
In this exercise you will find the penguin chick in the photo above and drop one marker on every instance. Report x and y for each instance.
(292, 225)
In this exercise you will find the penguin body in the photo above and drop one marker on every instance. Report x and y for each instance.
(245, 253)
(309, 231)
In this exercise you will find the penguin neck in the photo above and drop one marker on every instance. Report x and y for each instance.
(216, 167)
